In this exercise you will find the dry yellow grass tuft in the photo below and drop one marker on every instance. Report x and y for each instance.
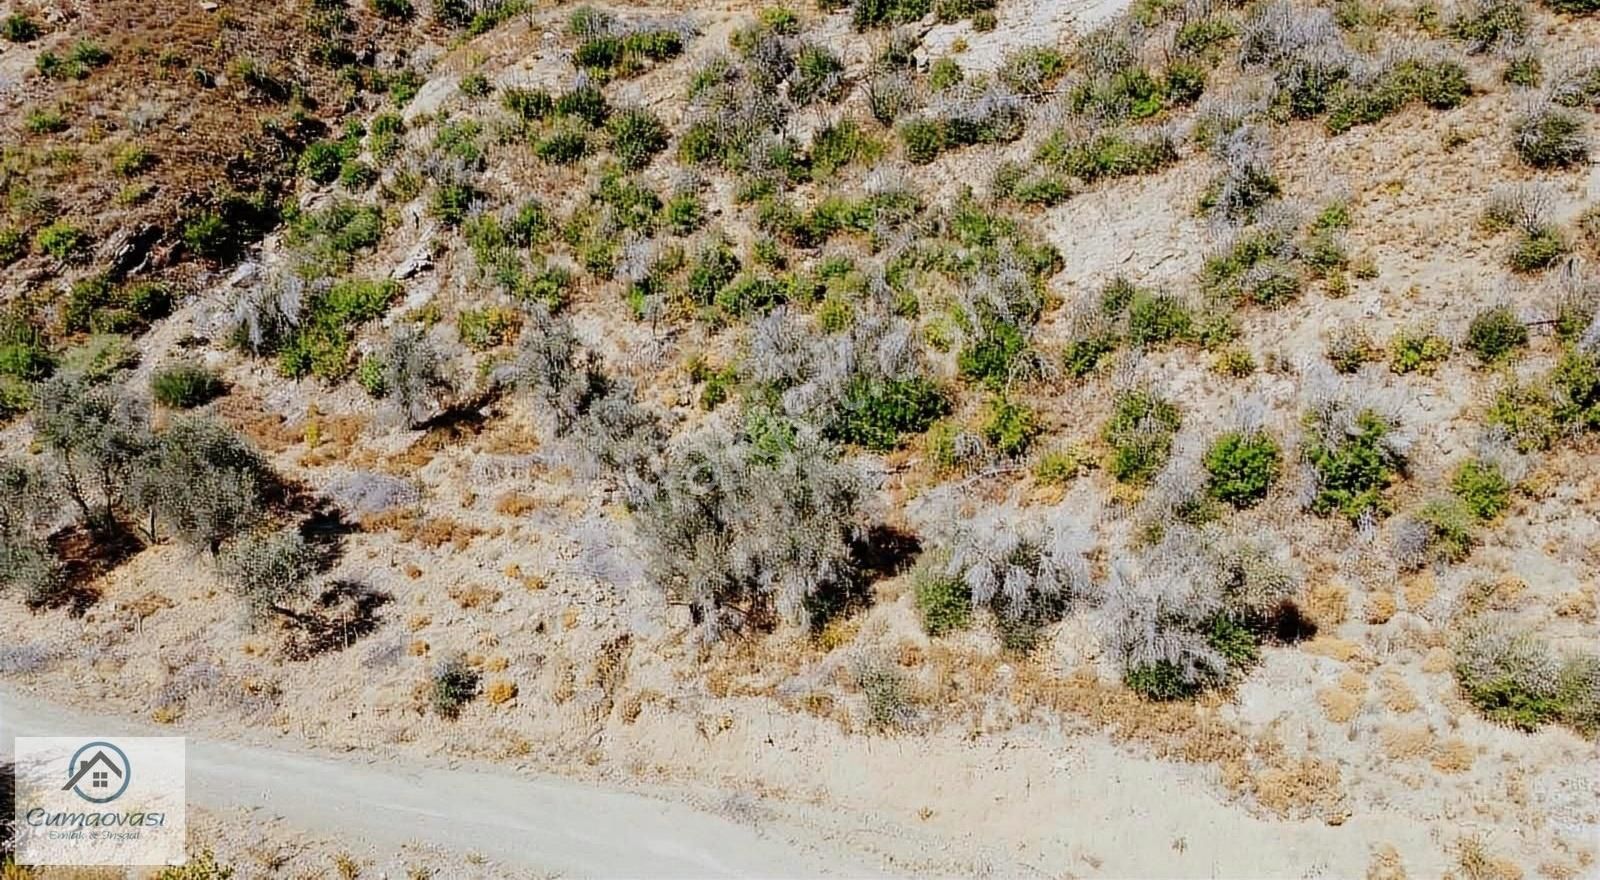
(1380, 608)
(1453, 756)
(1385, 864)
(1327, 603)
(1407, 743)
(1338, 706)
(1396, 695)
(474, 596)
(1419, 590)
(501, 691)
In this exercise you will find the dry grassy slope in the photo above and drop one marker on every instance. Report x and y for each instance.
(1328, 755)
(172, 88)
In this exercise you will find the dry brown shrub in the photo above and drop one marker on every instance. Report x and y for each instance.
(1327, 603)
(1339, 706)
(1306, 786)
(501, 691)
(1339, 649)
(1396, 695)
(1438, 660)
(474, 596)
(417, 648)
(1385, 864)
(1380, 608)
(437, 531)
(1419, 590)
(515, 504)
(1453, 756)
(1407, 743)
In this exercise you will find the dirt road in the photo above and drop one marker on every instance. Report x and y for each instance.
(530, 822)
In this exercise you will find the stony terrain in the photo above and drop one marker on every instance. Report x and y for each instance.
(1024, 438)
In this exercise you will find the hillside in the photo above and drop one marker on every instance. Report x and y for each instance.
(1017, 438)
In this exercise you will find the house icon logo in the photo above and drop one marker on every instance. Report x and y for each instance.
(98, 772)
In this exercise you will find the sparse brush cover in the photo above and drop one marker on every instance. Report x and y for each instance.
(452, 684)
(185, 386)
(1495, 334)
(1353, 461)
(1255, 269)
(1514, 678)
(1139, 433)
(943, 600)
(1550, 137)
(1417, 351)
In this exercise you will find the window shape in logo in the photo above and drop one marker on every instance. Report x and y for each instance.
(98, 772)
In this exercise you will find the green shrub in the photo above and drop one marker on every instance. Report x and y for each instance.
(1523, 70)
(1549, 137)
(1200, 35)
(1162, 681)
(683, 214)
(1107, 154)
(132, 160)
(18, 28)
(45, 120)
(838, 145)
(878, 13)
(100, 357)
(944, 74)
(488, 327)
(1490, 23)
(879, 414)
(990, 357)
(1154, 318)
(95, 304)
(1085, 352)
(399, 10)
(220, 233)
(84, 57)
(636, 136)
(13, 244)
(586, 103)
(1234, 362)
(328, 239)
(1482, 488)
(185, 386)
(451, 686)
(562, 146)
(1060, 466)
(63, 241)
(1353, 468)
(1140, 435)
(1447, 524)
(923, 139)
(1495, 334)
(451, 203)
(1009, 427)
(1242, 467)
(1509, 676)
(1253, 269)
(1441, 85)
(475, 85)
(1417, 351)
(1538, 249)
(320, 345)
(944, 602)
